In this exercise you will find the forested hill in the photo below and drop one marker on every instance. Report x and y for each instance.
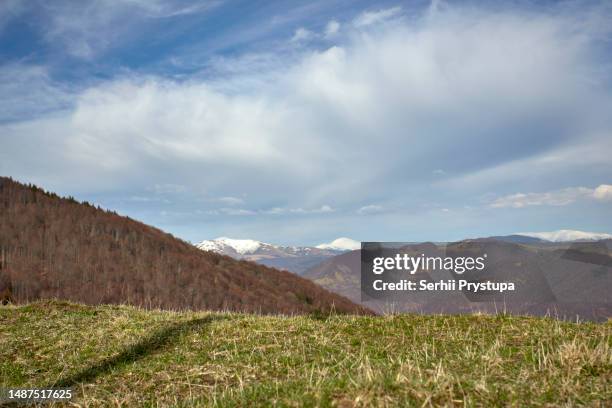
(53, 247)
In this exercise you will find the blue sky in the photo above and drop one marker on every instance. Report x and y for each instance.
(299, 122)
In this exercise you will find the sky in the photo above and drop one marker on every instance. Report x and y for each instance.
(299, 122)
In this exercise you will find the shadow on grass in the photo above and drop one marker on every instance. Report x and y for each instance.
(157, 341)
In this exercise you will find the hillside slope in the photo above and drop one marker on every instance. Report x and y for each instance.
(123, 356)
(566, 280)
(57, 247)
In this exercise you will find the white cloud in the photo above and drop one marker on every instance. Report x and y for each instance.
(561, 161)
(375, 17)
(554, 198)
(319, 210)
(231, 200)
(341, 244)
(276, 211)
(236, 211)
(332, 28)
(370, 209)
(324, 209)
(302, 34)
(146, 199)
(163, 120)
(603, 192)
(28, 91)
(419, 96)
(434, 6)
(85, 29)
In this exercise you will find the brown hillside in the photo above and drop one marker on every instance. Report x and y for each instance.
(58, 247)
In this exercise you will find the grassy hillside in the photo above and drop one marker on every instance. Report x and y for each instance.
(123, 355)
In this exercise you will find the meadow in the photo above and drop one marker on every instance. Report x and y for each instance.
(126, 356)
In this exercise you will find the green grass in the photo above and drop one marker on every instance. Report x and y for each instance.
(117, 355)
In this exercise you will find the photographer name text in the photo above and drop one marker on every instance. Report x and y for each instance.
(444, 285)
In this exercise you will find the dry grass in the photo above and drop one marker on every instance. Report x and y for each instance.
(123, 356)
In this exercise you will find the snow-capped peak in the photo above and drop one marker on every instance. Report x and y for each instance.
(241, 246)
(341, 244)
(567, 235)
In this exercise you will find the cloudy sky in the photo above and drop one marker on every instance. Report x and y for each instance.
(299, 122)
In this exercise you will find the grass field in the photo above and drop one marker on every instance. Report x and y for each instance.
(116, 355)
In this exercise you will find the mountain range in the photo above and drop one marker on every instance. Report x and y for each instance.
(295, 259)
(299, 259)
(566, 235)
(54, 247)
(567, 271)
(568, 279)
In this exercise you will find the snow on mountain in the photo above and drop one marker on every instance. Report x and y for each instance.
(240, 246)
(292, 258)
(567, 235)
(341, 244)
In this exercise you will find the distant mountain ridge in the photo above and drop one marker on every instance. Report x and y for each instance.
(566, 279)
(295, 259)
(567, 235)
(54, 247)
(300, 259)
(518, 239)
(234, 247)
